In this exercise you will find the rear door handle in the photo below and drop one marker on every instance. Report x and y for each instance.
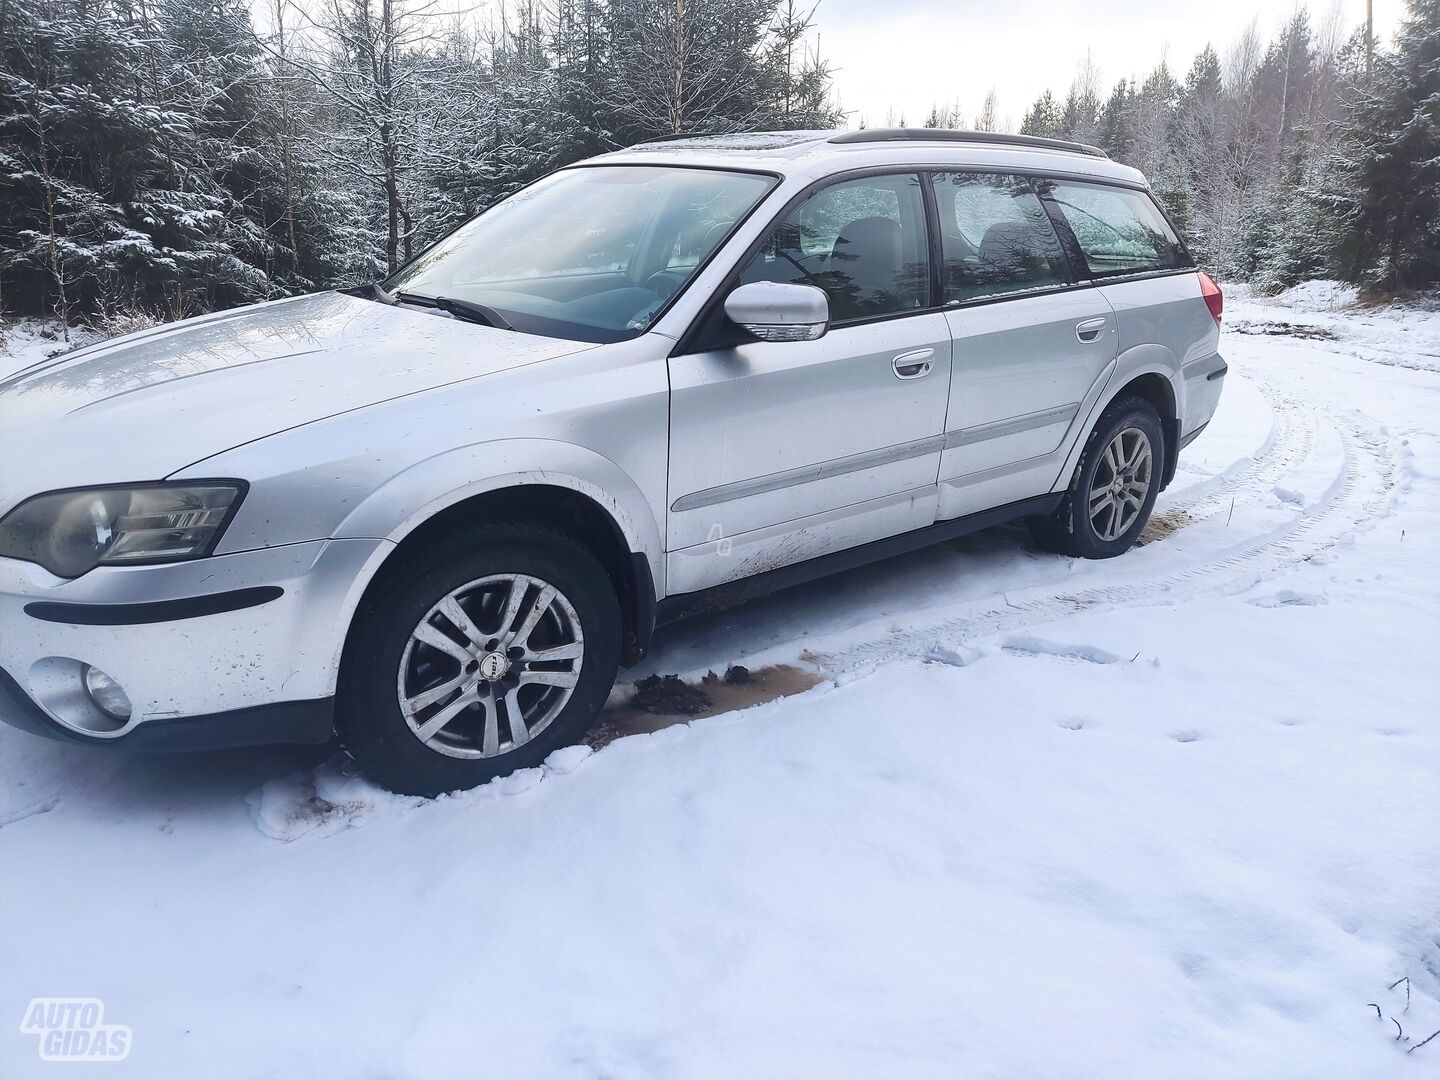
(1089, 330)
(913, 364)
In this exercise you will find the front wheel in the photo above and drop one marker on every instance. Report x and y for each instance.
(1114, 487)
(478, 656)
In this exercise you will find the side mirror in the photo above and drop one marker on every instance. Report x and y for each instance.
(775, 311)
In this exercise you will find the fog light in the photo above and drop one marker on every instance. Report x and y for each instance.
(107, 694)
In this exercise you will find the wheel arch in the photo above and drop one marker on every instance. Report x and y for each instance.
(564, 486)
(1149, 372)
(1159, 391)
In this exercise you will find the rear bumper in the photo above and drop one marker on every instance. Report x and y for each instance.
(1188, 439)
(1204, 380)
(231, 650)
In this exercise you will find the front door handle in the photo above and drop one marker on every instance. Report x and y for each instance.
(1089, 330)
(913, 364)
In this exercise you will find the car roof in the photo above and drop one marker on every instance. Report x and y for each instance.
(813, 155)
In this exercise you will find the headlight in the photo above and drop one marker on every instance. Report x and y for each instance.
(72, 532)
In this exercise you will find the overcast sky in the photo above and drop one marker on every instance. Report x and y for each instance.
(908, 55)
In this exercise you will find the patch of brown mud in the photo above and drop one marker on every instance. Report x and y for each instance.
(667, 700)
(669, 695)
(1162, 525)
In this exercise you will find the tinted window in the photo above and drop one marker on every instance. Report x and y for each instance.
(996, 237)
(1119, 230)
(862, 241)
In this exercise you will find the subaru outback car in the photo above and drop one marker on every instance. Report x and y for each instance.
(434, 516)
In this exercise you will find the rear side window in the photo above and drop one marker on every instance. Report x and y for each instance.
(996, 238)
(1120, 231)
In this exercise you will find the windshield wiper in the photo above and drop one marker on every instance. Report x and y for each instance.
(372, 291)
(468, 310)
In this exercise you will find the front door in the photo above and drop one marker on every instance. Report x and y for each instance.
(1032, 351)
(782, 451)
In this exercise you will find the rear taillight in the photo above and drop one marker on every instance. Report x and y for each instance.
(1214, 298)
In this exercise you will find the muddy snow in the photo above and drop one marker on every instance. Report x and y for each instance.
(996, 813)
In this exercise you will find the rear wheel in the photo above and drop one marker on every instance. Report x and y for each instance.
(1114, 487)
(476, 657)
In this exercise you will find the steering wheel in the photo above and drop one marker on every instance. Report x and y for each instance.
(664, 283)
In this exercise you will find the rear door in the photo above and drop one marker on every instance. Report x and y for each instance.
(1032, 346)
(1144, 271)
(782, 451)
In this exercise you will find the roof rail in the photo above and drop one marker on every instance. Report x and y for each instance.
(677, 135)
(755, 140)
(875, 135)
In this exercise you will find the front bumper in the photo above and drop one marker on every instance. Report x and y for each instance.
(283, 722)
(225, 651)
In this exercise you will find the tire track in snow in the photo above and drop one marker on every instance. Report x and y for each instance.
(1291, 440)
(1359, 492)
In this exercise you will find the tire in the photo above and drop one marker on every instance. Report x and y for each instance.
(1070, 530)
(417, 750)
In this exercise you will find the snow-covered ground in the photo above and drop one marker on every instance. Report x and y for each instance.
(1176, 815)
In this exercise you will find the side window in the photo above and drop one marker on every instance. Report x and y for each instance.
(1121, 231)
(995, 237)
(862, 241)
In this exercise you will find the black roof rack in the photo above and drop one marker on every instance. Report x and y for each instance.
(675, 136)
(875, 135)
(743, 139)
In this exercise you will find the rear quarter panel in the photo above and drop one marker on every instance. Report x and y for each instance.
(1165, 325)
(1164, 328)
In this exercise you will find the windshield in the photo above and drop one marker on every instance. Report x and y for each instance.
(592, 254)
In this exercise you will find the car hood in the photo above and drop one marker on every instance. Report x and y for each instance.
(145, 406)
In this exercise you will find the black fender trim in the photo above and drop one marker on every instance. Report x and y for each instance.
(193, 607)
(1173, 445)
(641, 630)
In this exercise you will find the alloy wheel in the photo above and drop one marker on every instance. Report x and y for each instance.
(1121, 483)
(490, 666)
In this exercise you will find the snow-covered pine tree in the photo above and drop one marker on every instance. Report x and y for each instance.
(77, 142)
(320, 224)
(796, 77)
(945, 116)
(139, 149)
(1391, 136)
(370, 60)
(686, 66)
(164, 157)
(988, 118)
(1080, 117)
(1196, 136)
(579, 36)
(1043, 117)
(1115, 131)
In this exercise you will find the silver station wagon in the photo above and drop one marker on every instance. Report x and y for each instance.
(434, 516)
